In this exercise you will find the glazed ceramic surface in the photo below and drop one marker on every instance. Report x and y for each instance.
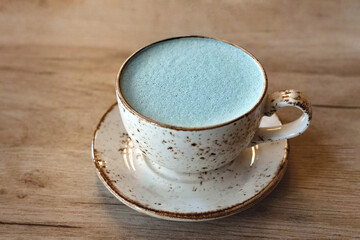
(157, 191)
(191, 151)
(200, 149)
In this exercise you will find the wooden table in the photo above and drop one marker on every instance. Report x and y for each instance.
(58, 63)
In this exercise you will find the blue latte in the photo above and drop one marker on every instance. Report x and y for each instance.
(192, 82)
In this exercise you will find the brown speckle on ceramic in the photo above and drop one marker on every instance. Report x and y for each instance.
(285, 98)
(157, 191)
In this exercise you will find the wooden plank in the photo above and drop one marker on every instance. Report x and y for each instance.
(58, 63)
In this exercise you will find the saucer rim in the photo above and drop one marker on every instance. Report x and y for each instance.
(189, 216)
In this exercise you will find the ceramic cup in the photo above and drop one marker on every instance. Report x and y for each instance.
(200, 149)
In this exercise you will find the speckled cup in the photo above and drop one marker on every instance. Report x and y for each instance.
(200, 149)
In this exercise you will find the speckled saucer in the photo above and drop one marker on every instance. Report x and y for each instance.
(165, 194)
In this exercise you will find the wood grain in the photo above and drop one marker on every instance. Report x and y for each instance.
(58, 63)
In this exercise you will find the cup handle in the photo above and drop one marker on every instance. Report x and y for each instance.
(276, 100)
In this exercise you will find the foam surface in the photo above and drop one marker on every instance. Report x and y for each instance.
(192, 82)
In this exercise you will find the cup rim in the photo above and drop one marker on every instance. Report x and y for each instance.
(182, 128)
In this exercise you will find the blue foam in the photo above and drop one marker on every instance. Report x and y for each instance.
(192, 82)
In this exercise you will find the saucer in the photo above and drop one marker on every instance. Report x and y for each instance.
(163, 193)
